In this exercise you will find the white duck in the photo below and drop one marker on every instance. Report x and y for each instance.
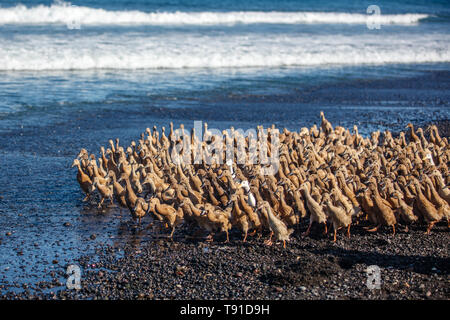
(250, 197)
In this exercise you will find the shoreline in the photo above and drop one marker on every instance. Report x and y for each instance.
(144, 266)
(36, 217)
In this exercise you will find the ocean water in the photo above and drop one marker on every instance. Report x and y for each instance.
(64, 54)
(76, 74)
(92, 51)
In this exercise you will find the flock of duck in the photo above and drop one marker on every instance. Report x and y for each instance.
(329, 175)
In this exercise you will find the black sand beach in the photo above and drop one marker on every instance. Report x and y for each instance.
(46, 227)
(413, 266)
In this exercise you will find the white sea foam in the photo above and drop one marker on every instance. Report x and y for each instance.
(64, 13)
(175, 51)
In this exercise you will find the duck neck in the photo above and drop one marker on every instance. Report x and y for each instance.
(80, 171)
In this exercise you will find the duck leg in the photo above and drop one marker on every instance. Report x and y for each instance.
(334, 234)
(101, 203)
(348, 231)
(171, 234)
(245, 236)
(210, 238)
(228, 237)
(373, 229)
(269, 242)
(430, 225)
(326, 229)
(259, 233)
(393, 230)
(308, 230)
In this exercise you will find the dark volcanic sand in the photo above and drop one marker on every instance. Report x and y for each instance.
(413, 266)
(45, 226)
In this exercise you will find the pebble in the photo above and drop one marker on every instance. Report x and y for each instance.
(93, 236)
(67, 224)
(222, 271)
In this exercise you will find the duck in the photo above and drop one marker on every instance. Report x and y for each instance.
(118, 190)
(429, 213)
(253, 218)
(406, 212)
(239, 217)
(384, 178)
(277, 226)
(140, 209)
(316, 211)
(338, 216)
(385, 214)
(106, 191)
(170, 215)
(219, 220)
(286, 212)
(83, 180)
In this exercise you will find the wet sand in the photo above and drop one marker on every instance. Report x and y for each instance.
(412, 266)
(46, 227)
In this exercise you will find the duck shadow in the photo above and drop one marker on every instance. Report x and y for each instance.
(348, 258)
